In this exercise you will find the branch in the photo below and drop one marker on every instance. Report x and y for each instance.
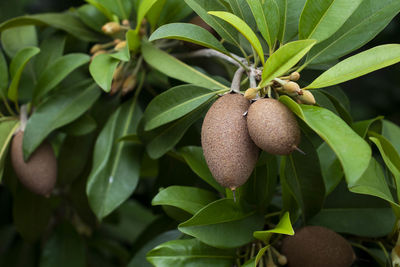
(235, 86)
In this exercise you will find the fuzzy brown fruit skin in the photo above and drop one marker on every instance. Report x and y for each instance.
(273, 127)
(316, 246)
(228, 149)
(39, 173)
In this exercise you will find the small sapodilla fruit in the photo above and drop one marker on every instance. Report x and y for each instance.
(251, 93)
(317, 246)
(121, 45)
(306, 98)
(228, 149)
(39, 173)
(292, 89)
(111, 27)
(294, 76)
(273, 127)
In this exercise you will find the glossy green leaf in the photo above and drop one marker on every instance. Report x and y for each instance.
(363, 25)
(322, 18)
(284, 59)
(283, 227)
(84, 125)
(18, 38)
(51, 49)
(16, 68)
(116, 165)
(391, 131)
(7, 129)
(194, 157)
(243, 28)
(266, 15)
(190, 33)
(63, 21)
(189, 252)
(217, 224)
(290, 25)
(175, 68)
(189, 199)
(174, 104)
(331, 170)
(154, 13)
(100, 7)
(341, 102)
(362, 127)
(64, 248)
(92, 17)
(58, 110)
(58, 71)
(224, 29)
(3, 75)
(144, 7)
(352, 151)
(241, 9)
(134, 40)
(358, 65)
(122, 8)
(102, 70)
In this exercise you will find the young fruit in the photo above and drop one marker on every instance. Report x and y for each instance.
(315, 246)
(273, 127)
(39, 173)
(228, 149)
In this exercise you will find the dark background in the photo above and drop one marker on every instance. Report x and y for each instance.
(375, 94)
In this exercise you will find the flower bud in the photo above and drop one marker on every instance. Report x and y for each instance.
(306, 98)
(282, 260)
(294, 76)
(120, 45)
(291, 88)
(125, 22)
(95, 48)
(129, 84)
(111, 27)
(251, 93)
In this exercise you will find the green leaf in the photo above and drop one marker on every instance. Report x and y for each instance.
(391, 131)
(331, 169)
(352, 151)
(362, 127)
(189, 199)
(175, 68)
(174, 104)
(58, 71)
(243, 28)
(16, 68)
(51, 49)
(58, 110)
(224, 29)
(64, 248)
(15, 39)
(132, 43)
(116, 165)
(92, 17)
(144, 7)
(284, 59)
(291, 19)
(266, 15)
(364, 24)
(100, 7)
(322, 18)
(63, 21)
(194, 157)
(154, 13)
(134, 40)
(102, 70)
(7, 129)
(359, 65)
(302, 174)
(122, 8)
(217, 224)
(283, 227)
(241, 9)
(190, 33)
(3, 75)
(189, 252)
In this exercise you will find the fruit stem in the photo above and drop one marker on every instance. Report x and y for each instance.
(23, 117)
(299, 150)
(234, 194)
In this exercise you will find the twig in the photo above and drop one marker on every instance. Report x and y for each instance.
(235, 86)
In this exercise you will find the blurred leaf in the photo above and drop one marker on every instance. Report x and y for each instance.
(352, 151)
(134, 41)
(102, 70)
(174, 104)
(189, 252)
(84, 125)
(144, 7)
(51, 49)
(7, 129)
(58, 110)
(322, 18)
(290, 24)
(3, 75)
(284, 59)
(190, 199)
(174, 11)
(362, 127)
(122, 8)
(365, 23)
(175, 68)
(64, 248)
(217, 224)
(194, 157)
(243, 28)
(392, 132)
(17, 65)
(283, 227)
(359, 65)
(116, 168)
(15, 39)
(190, 33)
(63, 21)
(92, 17)
(331, 169)
(58, 71)
(154, 13)
(266, 14)
(100, 7)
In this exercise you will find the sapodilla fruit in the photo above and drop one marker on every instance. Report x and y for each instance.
(317, 246)
(228, 149)
(39, 173)
(273, 127)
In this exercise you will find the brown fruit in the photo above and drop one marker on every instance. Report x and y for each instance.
(316, 246)
(39, 173)
(273, 127)
(228, 149)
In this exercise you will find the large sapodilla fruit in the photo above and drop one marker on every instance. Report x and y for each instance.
(228, 149)
(39, 173)
(273, 127)
(316, 246)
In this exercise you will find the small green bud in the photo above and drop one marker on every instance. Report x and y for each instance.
(251, 93)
